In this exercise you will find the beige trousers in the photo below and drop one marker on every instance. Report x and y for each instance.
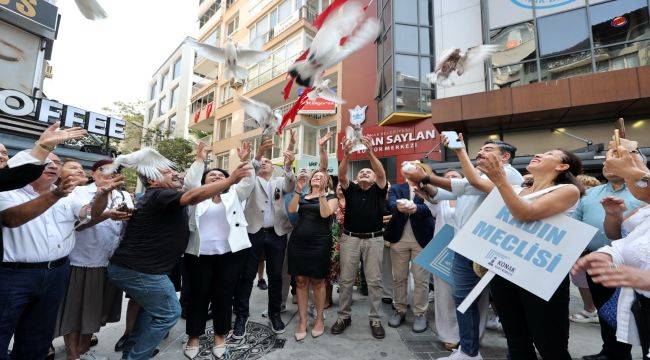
(401, 255)
(351, 250)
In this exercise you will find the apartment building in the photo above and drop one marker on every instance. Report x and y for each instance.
(283, 28)
(169, 93)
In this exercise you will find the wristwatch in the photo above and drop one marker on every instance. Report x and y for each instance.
(643, 182)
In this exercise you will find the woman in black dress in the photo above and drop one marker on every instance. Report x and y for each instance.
(310, 247)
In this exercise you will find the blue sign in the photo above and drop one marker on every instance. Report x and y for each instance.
(541, 4)
(436, 257)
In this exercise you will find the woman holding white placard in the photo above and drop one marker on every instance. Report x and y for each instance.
(528, 321)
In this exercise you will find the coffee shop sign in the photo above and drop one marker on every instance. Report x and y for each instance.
(16, 104)
(541, 4)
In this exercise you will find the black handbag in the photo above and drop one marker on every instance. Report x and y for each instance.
(641, 311)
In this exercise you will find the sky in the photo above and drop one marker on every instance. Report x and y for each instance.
(96, 63)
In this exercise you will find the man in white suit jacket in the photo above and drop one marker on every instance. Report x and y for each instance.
(268, 226)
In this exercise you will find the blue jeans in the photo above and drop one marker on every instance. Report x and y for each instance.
(159, 309)
(468, 323)
(29, 304)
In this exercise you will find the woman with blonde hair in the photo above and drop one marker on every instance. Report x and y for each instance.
(310, 248)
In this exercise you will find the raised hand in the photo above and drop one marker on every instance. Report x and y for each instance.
(54, 136)
(289, 158)
(613, 206)
(67, 186)
(416, 175)
(346, 146)
(117, 215)
(322, 141)
(292, 140)
(243, 170)
(201, 151)
(620, 161)
(445, 141)
(367, 141)
(244, 151)
(266, 144)
(115, 182)
(493, 168)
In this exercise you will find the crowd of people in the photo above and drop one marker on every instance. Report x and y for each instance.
(72, 244)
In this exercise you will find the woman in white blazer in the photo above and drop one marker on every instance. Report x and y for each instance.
(216, 253)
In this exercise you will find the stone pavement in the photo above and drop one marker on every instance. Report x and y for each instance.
(355, 343)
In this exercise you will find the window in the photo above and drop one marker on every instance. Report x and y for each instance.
(275, 65)
(173, 99)
(163, 79)
(284, 11)
(309, 140)
(406, 38)
(622, 56)
(226, 94)
(214, 38)
(172, 124)
(223, 128)
(232, 25)
(562, 33)
(202, 101)
(229, 3)
(152, 91)
(222, 161)
(177, 69)
(566, 66)
(619, 21)
(162, 106)
(407, 70)
(160, 131)
(516, 44)
(209, 13)
(406, 12)
(150, 114)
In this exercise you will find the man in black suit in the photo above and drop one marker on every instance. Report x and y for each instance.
(409, 231)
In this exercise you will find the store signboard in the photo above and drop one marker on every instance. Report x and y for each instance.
(38, 17)
(318, 106)
(20, 106)
(508, 12)
(310, 162)
(19, 56)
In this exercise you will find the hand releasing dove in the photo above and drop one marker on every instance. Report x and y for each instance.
(408, 166)
(342, 34)
(146, 161)
(91, 9)
(232, 56)
(455, 60)
(323, 91)
(267, 119)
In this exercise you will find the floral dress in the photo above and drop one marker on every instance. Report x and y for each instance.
(335, 261)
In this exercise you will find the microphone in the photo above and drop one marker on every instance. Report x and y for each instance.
(437, 147)
(589, 142)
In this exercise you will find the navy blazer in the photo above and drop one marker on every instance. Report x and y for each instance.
(422, 222)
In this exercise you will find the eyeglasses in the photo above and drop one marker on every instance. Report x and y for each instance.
(57, 162)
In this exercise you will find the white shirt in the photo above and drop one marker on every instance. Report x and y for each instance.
(632, 250)
(48, 237)
(469, 197)
(95, 245)
(24, 158)
(444, 214)
(214, 230)
(269, 212)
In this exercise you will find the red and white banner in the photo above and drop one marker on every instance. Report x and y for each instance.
(208, 110)
(197, 115)
(318, 107)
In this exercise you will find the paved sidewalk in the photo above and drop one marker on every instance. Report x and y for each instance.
(356, 343)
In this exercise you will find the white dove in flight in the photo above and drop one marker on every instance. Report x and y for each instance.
(146, 161)
(91, 9)
(323, 91)
(455, 60)
(326, 50)
(266, 118)
(234, 57)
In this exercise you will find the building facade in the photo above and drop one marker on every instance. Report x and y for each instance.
(284, 29)
(566, 70)
(169, 92)
(27, 33)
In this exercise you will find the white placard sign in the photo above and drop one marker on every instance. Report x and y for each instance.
(536, 256)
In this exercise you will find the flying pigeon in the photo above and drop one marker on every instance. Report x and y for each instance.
(267, 119)
(323, 91)
(145, 161)
(455, 60)
(408, 166)
(232, 56)
(91, 9)
(341, 34)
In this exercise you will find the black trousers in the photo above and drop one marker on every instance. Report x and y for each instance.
(266, 242)
(529, 322)
(213, 280)
(614, 350)
(641, 311)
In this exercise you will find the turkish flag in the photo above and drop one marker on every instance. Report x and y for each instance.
(208, 109)
(197, 115)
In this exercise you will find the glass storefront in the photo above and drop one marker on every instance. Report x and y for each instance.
(541, 40)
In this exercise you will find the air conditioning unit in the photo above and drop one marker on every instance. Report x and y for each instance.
(48, 71)
(236, 83)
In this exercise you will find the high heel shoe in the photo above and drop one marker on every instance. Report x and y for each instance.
(300, 336)
(316, 334)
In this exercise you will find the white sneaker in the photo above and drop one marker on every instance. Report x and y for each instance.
(92, 355)
(493, 323)
(459, 355)
(191, 351)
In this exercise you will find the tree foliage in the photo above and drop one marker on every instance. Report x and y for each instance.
(177, 150)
